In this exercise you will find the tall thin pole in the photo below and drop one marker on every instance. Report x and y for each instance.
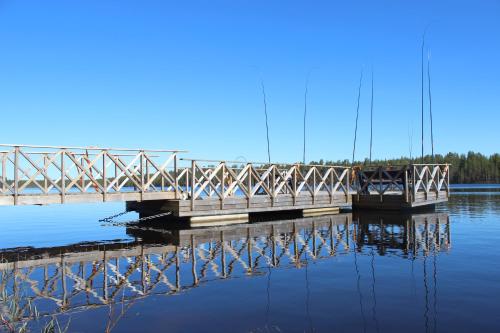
(357, 117)
(267, 124)
(305, 115)
(371, 122)
(422, 91)
(430, 102)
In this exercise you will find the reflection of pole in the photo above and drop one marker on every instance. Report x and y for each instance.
(347, 231)
(407, 236)
(193, 261)
(448, 231)
(437, 235)
(374, 309)
(426, 238)
(295, 247)
(143, 277)
(332, 248)
(63, 281)
(177, 270)
(382, 237)
(426, 312)
(223, 254)
(273, 240)
(358, 285)
(314, 239)
(249, 250)
(435, 289)
(105, 276)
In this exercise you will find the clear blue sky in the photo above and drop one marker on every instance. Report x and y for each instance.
(186, 75)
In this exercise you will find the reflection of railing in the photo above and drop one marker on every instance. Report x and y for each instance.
(47, 174)
(413, 182)
(94, 277)
(250, 181)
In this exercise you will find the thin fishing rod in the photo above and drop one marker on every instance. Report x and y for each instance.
(371, 122)
(357, 116)
(422, 90)
(267, 124)
(410, 142)
(430, 101)
(305, 115)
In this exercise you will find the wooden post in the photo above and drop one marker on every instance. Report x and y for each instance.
(45, 167)
(447, 181)
(104, 177)
(347, 186)
(294, 184)
(426, 184)
(406, 185)
(273, 186)
(314, 185)
(380, 183)
(148, 177)
(332, 179)
(249, 184)
(176, 180)
(141, 166)
(193, 182)
(63, 177)
(223, 183)
(4, 173)
(16, 175)
(414, 184)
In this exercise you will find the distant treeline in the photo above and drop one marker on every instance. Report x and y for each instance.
(466, 168)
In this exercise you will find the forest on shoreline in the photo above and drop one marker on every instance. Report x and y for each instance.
(470, 168)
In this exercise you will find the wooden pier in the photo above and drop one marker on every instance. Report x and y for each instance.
(154, 181)
(401, 187)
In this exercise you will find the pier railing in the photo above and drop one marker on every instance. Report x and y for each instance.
(414, 182)
(224, 180)
(51, 174)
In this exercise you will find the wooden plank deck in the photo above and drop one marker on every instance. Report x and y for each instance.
(241, 205)
(396, 201)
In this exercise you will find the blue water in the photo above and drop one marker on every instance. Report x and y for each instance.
(425, 272)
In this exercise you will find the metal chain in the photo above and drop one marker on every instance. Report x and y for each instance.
(112, 217)
(125, 223)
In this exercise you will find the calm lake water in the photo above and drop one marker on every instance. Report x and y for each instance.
(426, 272)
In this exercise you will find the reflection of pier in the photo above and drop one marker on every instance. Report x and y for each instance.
(407, 233)
(85, 276)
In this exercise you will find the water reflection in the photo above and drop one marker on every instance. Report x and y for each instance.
(48, 281)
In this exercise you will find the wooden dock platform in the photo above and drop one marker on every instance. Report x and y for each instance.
(401, 187)
(155, 181)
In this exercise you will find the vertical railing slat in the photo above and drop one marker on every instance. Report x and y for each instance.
(16, 175)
